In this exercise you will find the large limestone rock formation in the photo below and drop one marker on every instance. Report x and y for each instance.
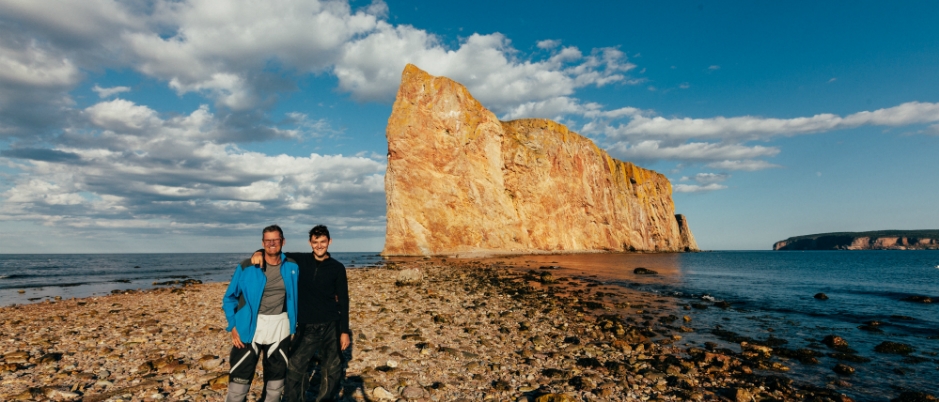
(460, 181)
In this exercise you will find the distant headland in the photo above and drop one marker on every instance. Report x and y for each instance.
(875, 240)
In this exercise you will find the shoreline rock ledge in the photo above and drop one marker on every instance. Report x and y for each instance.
(461, 182)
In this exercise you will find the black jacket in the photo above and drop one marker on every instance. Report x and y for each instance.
(322, 291)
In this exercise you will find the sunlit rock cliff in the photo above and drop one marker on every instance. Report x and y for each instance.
(460, 181)
(877, 240)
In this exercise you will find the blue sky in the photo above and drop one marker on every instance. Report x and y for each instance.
(186, 126)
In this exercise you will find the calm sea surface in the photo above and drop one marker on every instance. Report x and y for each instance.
(771, 293)
(45, 276)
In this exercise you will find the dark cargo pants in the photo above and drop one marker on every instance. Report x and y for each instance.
(321, 340)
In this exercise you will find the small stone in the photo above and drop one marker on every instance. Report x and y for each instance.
(410, 276)
(843, 369)
(918, 299)
(501, 385)
(821, 296)
(644, 271)
(554, 398)
(412, 392)
(743, 395)
(914, 396)
(382, 394)
(835, 342)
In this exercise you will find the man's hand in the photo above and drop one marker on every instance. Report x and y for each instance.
(344, 341)
(235, 339)
(257, 257)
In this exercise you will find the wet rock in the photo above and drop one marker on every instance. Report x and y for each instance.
(804, 355)
(644, 271)
(870, 328)
(893, 348)
(918, 299)
(915, 396)
(743, 395)
(821, 296)
(843, 369)
(756, 351)
(547, 277)
(835, 342)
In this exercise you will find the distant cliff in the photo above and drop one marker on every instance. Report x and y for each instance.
(877, 240)
(460, 181)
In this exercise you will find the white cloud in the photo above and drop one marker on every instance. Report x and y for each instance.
(139, 170)
(548, 44)
(693, 151)
(709, 178)
(751, 127)
(696, 188)
(370, 68)
(108, 92)
(744, 165)
(714, 67)
(122, 115)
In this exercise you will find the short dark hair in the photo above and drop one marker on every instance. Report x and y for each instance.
(319, 230)
(273, 228)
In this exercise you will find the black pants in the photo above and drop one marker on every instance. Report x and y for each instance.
(321, 340)
(244, 360)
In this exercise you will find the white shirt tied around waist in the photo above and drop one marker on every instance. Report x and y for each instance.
(271, 328)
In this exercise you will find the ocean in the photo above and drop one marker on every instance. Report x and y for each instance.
(770, 295)
(45, 276)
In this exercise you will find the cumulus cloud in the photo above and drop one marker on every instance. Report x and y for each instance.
(548, 44)
(137, 170)
(108, 92)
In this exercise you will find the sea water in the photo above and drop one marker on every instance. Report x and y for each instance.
(44, 276)
(770, 294)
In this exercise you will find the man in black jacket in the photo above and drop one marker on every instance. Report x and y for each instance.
(322, 319)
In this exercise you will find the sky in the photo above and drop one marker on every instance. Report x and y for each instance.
(187, 126)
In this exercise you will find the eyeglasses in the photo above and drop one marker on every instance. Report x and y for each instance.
(271, 241)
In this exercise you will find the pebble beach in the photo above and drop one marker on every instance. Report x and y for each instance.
(424, 330)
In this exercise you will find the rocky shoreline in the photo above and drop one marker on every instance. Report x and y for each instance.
(424, 330)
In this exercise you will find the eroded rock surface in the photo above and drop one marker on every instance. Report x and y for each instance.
(461, 181)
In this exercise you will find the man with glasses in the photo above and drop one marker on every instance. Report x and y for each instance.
(260, 305)
(322, 319)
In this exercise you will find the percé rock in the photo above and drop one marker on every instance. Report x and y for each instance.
(876, 240)
(459, 181)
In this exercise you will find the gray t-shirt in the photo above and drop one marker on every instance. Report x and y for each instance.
(272, 301)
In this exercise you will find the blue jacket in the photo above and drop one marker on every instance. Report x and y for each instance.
(243, 296)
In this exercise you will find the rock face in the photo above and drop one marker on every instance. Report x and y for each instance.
(460, 181)
(878, 240)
